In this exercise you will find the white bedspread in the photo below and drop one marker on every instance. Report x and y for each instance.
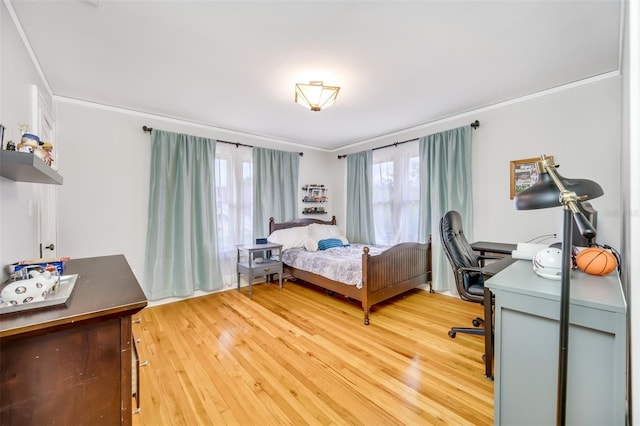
(343, 264)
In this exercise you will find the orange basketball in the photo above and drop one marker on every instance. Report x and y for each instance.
(596, 261)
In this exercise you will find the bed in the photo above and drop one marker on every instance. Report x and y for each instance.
(393, 271)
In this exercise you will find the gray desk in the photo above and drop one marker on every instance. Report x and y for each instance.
(490, 247)
(490, 270)
(527, 308)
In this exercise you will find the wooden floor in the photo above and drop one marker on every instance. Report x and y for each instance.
(302, 357)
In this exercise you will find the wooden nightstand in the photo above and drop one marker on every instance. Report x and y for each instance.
(259, 260)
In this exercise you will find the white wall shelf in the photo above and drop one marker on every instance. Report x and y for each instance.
(314, 194)
(26, 167)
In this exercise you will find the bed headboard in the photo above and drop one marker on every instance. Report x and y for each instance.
(273, 226)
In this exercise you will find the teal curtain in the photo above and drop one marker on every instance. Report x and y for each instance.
(360, 228)
(445, 182)
(275, 188)
(182, 252)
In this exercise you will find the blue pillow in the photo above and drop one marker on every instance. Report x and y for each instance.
(329, 243)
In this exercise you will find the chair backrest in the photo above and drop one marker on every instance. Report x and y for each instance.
(460, 254)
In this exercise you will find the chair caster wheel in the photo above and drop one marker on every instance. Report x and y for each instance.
(452, 334)
(476, 323)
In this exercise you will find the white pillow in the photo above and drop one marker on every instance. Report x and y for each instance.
(310, 244)
(343, 239)
(289, 237)
(322, 232)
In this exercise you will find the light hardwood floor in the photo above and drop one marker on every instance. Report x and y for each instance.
(302, 357)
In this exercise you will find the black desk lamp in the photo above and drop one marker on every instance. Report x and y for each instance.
(553, 190)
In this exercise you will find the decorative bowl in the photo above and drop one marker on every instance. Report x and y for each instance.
(33, 289)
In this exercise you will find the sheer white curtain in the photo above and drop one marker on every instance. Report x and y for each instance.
(396, 193)
(234, 201)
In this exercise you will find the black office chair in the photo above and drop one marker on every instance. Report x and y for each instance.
(467, 267)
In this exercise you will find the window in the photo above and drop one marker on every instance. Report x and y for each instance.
(234, 200)
(396, 193)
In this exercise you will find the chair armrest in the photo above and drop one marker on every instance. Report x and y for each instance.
(485, 257)
(461, 270)
(469, 269)
(493, 268)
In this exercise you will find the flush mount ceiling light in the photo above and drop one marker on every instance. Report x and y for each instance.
(315, 96)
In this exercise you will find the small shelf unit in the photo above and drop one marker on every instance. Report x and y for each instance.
(315, 194)
(26, 167)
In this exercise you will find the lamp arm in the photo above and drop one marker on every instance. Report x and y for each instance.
(569, 200)
(586, 228)
(551, 169)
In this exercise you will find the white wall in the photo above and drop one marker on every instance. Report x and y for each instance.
(579, 126)
(105, 164)
(18, 230)
(104, 159)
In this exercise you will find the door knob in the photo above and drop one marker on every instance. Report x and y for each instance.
(49, 247)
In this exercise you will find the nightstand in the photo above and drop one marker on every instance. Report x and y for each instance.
(259, 260)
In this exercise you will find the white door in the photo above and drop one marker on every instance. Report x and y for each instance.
(46, 196)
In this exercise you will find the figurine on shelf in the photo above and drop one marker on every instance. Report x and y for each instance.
(11, 146)
(48, 148)
(32, 143)
(28, 140)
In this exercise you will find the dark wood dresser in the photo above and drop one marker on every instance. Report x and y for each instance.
(72, 365)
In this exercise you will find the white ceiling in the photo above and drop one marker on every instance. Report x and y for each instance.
(234, 64)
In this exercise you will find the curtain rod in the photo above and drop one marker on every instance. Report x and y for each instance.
(237, 144)
(475, 125)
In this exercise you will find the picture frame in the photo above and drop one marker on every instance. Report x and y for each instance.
(524, 173)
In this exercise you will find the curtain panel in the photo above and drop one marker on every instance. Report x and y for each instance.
(234, 200)
(445, 182)
(396, 193)
(360, 227)
(181, 249)
(275, 185)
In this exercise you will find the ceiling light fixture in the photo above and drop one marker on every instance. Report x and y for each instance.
(315, 96)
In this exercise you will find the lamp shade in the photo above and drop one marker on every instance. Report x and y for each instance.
(544, 193)
(551, 189)
(315, 96)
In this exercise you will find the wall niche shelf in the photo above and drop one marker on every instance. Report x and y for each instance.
(26, 167)
(308, 211)
(315, 194)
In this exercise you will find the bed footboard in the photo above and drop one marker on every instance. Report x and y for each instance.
(398, 269)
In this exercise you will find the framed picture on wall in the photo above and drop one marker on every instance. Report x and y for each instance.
(524, 173)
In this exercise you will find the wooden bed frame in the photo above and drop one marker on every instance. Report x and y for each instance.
(398, 269)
